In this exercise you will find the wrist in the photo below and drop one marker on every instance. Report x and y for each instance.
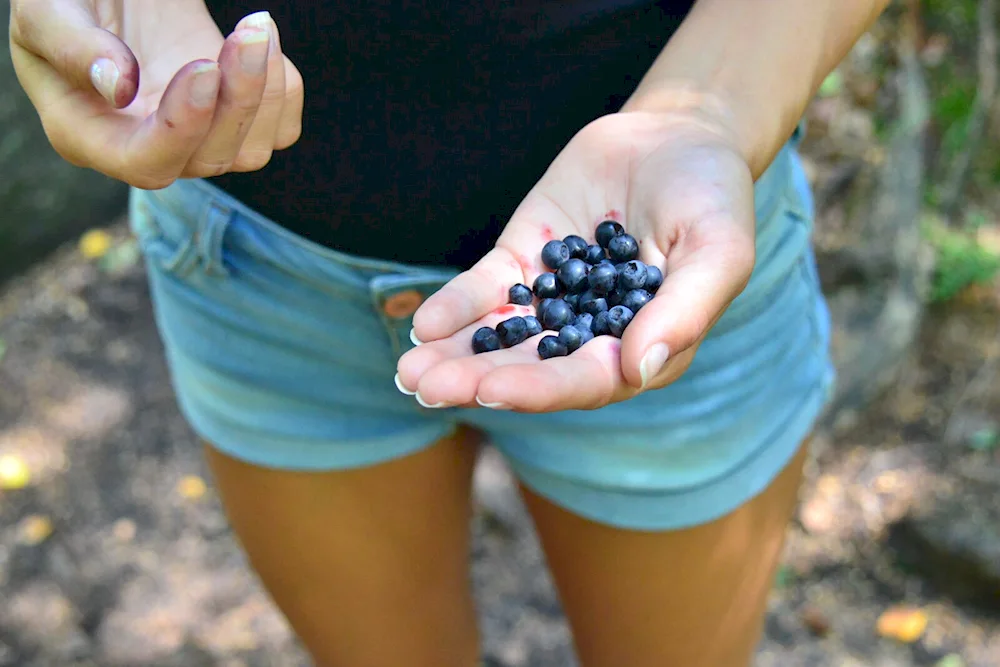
(709, 107)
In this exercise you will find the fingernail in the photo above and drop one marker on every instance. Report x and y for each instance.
(401, 388)
(493, 406)
(264, 21)
(414, 339)
(253, 52)
(205, 87)
(424, 403)
(104, 74)
(653, 362)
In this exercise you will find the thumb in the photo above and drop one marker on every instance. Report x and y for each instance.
(694, 295)
(67, 35)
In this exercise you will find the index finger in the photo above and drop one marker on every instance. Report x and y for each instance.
(468, 296)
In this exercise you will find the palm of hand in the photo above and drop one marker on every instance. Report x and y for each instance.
(676, 185)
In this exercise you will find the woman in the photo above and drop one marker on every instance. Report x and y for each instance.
(442, 144)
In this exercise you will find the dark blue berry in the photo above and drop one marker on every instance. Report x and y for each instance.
(542, 305)
(577, 246)
(546, 286)
(595, 255)
(587, 335)
(593, 304)
(633, 275)
(534, 326)
(571, 337)
(573, 275)
(601, 325)
(550, 346)
(513, 331)
(520, 294)
(485, 340)
(618, 319)
(615, 296)
(606, 231)
(554, 254)
(602, 278)
(654, 278)
(584, 321)
(635, 299)
(574, 301)
(557, 315)
(623, 248)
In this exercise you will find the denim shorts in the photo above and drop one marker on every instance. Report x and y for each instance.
(283, 354)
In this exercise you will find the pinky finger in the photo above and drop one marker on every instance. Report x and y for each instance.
(290, 125)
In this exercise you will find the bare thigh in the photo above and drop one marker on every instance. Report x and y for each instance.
(370, 566)
(687, 597)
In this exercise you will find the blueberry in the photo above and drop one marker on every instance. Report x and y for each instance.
(595, 254)
(557, 315)
(654, 278)
(636, 299)
(542, 305)
(574, 301)
(615, 296)
(602, 278)
(520, 294)
(623, 248)
(513, 331)
(633, 275)
(618, 319)
(546, 286)
(577, 246)
(485, 340)
(534, 326)
(554, 254)
(593, 304)
(571, 337)
(606, 231)
(584, 321)
(550, 346)
(601, 325)
(572, 275)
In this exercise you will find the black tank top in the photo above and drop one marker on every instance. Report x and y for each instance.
(426, 123)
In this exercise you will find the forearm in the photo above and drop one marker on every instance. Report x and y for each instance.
(756, 63)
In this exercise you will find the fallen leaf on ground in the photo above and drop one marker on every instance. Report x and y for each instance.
(95, 243)
(951, 660)
(34, 529)
(14, 474)
(905, 624)
(191, 487)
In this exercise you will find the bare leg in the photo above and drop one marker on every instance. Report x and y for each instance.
(688, 597)
(370, 566)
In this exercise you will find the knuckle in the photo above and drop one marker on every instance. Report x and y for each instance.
(288, 135)
(150, 182)
(21, 23)
(252, 160)
(60, 138)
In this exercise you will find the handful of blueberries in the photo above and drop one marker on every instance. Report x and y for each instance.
(593, 290)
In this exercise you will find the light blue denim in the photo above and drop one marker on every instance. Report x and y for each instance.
(281, 355)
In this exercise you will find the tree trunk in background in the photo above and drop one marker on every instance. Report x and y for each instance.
(44, 201)
(876, 281)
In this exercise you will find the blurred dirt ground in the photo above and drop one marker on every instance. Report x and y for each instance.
(115, 551)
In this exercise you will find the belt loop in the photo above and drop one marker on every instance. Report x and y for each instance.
(210, 238)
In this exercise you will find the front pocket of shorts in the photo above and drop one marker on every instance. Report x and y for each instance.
(169, 253)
